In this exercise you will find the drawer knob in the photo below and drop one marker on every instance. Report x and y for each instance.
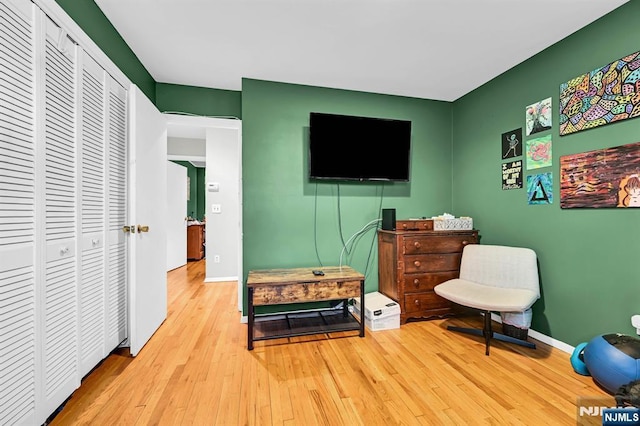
(417, 263)
(404, 226)
(464, 243)
(416, 282)
(416, 244)
(417, 302)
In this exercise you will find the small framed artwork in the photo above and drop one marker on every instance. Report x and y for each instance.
(512, 143)
(538, 117)
(512, 175)
(539, 152)
(540, 188)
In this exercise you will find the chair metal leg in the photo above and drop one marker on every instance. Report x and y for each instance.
(488, 334)
(510, 339)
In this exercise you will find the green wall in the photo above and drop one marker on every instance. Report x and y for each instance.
(90, 18)
(198, 100)
(286, 215)
(196, 202)
(587, 257)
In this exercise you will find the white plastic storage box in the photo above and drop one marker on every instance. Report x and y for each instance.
(381, 313)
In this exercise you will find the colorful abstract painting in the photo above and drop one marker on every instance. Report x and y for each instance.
(512, 175)
(540, 188)
(602, 178)
(538, 117)
(512, 143)
(539, 152)
(605, 95)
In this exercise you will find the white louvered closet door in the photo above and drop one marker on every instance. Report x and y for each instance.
(63, 203)
(92, 287)
(17, 214)
(60, 337)
(116, 268)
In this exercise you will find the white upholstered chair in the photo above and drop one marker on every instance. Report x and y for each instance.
(494, 278)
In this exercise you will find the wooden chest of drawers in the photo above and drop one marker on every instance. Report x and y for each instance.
(195, 242)
(411, 263)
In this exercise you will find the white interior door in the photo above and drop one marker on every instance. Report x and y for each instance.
(176, 215)
(148, 218)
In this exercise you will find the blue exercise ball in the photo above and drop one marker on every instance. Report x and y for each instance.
(613, 360)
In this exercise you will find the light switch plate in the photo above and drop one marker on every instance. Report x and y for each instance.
(216, 208)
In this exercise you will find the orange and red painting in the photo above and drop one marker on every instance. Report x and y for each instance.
(602, 178)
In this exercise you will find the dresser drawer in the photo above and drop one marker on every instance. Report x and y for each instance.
(424, 301)
(437, 244)
(432, 262)
(415, 225)
(426, 282)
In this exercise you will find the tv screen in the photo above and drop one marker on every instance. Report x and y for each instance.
(343, 147)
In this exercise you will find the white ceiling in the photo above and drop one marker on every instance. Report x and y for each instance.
(434, 49)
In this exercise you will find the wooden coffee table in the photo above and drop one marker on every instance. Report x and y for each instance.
(300, 285)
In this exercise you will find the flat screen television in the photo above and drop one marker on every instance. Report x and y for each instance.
(344, 147)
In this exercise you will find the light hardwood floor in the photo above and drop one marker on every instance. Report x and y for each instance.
(196, 370)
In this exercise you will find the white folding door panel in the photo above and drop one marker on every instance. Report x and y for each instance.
(58, 147)
(17, 214)
(92, 206)
(116, 189)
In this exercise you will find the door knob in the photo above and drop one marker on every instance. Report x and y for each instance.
(126, 229)
(143, 228)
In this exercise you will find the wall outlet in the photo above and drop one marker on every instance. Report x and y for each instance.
(216, 208)
(216, 258)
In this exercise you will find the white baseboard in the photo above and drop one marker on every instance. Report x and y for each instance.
(564, 347)
(220, 279)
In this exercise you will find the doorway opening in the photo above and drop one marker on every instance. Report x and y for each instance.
(216, 144)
